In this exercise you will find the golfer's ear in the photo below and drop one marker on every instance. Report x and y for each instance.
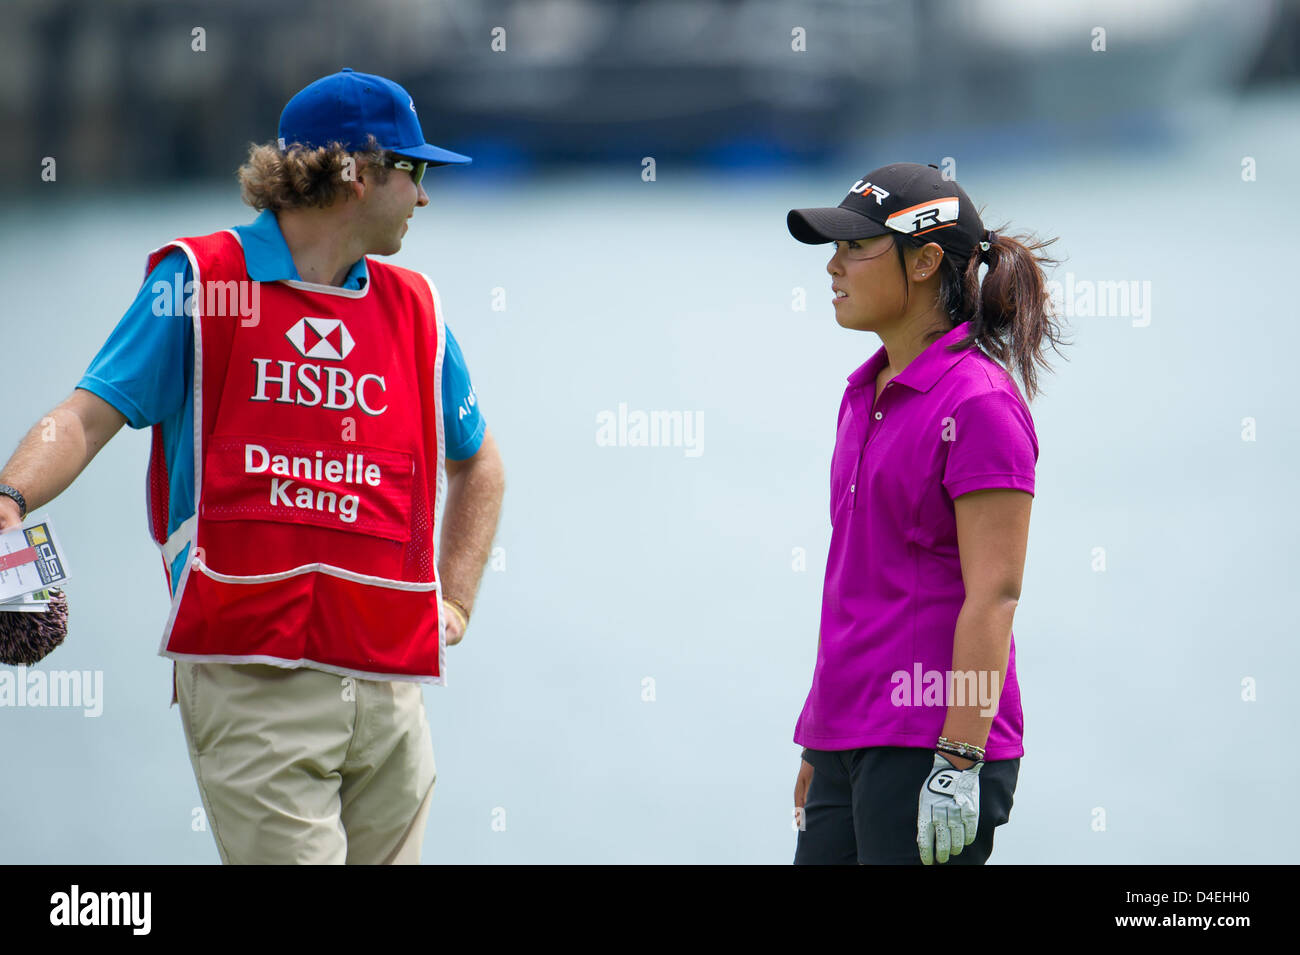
(928, 259)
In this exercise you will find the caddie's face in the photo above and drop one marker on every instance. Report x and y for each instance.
(866, 284)
(390, 206)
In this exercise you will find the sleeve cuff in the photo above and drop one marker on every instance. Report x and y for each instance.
(96, 386)
(984, 482)
(469, 447)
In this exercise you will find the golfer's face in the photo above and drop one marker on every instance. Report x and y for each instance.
(867, 282)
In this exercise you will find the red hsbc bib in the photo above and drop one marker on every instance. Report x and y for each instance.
(318, 467)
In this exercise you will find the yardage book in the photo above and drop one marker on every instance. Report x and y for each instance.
(31, 561)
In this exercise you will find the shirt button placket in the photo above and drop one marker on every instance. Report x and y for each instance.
(853, 488)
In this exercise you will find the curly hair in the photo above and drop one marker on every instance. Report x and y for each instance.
(305, 176)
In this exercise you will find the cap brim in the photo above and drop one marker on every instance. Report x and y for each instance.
(815, 226)
(434, 155)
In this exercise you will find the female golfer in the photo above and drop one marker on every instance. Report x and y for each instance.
(912, 728)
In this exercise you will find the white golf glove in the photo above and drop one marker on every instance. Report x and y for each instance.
(948, 811)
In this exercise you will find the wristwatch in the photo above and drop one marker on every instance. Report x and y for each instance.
(17, 496)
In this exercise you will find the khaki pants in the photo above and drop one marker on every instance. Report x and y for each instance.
(303, 766)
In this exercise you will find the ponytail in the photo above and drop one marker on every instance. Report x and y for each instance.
(1011, 311)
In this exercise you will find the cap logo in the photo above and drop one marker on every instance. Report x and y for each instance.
(320, 338)
(412, 104)
(925, 217)
(863, 186)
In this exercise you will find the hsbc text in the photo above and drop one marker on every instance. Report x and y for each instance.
(305, 387)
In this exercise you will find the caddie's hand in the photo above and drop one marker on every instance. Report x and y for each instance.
(948, 810)
(9, 518)
(454, 628)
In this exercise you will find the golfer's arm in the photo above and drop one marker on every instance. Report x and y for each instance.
(992, 538)
(475, 487)
(981, 646)
(59, 446)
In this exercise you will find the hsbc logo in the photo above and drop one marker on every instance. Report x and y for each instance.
(311, 385)
(862, 186)
(321, 338)
(329, 386)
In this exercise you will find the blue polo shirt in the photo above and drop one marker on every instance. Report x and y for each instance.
(146, 367)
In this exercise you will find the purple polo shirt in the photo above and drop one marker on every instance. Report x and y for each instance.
(949, 424)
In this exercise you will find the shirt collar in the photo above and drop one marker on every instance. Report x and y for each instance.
(924, 371)
(267, 256)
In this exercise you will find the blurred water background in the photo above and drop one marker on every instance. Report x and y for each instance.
(620, 565)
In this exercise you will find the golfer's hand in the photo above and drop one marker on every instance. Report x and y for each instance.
(948, 810)
(802, 783)
(454, 630)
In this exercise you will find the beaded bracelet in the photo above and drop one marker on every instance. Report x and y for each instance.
(964, 750)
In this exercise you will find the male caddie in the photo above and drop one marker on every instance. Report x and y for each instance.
(315, 433)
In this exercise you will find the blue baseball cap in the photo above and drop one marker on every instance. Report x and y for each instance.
(347, 105)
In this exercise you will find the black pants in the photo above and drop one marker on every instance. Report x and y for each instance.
(861, 806)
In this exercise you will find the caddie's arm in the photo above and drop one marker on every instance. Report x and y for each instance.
(56, 450)
(475, 487)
